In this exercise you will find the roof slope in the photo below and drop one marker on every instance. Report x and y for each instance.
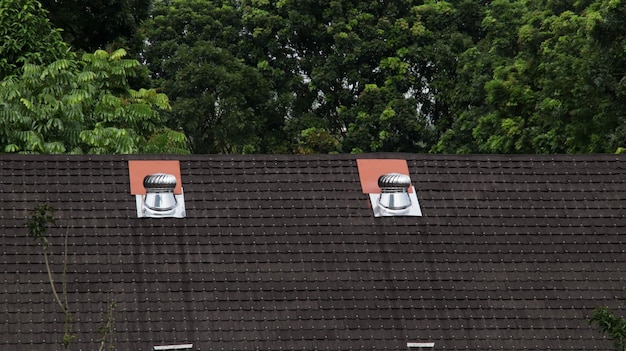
(284, 253)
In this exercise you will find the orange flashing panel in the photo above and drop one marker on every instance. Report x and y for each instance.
(139, 169)
(371, 169)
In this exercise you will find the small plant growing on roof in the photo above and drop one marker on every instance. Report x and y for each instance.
(38, 224)
(610, 325)
(41, 218)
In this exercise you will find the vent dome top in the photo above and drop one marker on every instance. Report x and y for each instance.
(394, 182)
(159, 181)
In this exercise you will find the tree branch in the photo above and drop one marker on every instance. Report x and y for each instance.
(51, 280)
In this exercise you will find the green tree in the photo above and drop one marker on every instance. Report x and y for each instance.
(468, 99)
(27, 36)
(605, 21)
(325, 76)
(71, 106)
(195, 54)
(544, 80)
(99, 24)
(452, 76)
(354, 69)
(374, 75)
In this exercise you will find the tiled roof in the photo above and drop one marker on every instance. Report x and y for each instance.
(284, 253)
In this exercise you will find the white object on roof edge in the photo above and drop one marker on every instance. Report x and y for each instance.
(173, 347)
(420, 344)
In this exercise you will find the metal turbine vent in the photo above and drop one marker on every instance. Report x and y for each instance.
(160, 191)
(159, 181)
(394, 182)
(394, 191)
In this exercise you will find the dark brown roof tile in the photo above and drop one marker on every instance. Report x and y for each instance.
(283, 252)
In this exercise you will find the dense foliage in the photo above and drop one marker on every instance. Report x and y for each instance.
(349, 76)
(27, 36)
(100, 24)
(304, 76)
(51, 102)
(551, 80)
(222, 102)
(82, 106)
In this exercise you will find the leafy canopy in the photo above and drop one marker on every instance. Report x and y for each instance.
(99, 24)
(195, 53)
(546, 77)
(83, 106)
(305, 76)
(27, 36)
